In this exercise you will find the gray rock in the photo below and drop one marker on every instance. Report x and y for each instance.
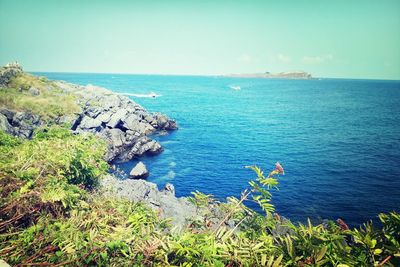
(144, 145)
(105, 116)
(4, 125)
(139, 171)
(4, 264)
(8, 72)
(93, 112)
(116, 141)
(110, 101)
(230, 223)
(150, 119)
(70, 119)
(117, 137)
(164, 123)
(34, 91)
(161, 120)
(26, 117)
(8, 113)
(138, 126)
(152, 147)
(166, 204)
(24, 123)
(281, 228)
(116, 118)
(89, 123)
(131, 121)
(169, 189)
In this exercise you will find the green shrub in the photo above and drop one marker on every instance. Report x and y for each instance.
(7, 140)
(52, 215)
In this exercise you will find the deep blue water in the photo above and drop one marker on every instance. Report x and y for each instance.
(338, 140)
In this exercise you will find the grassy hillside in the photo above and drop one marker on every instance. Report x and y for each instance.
(52, 213)
(26, 92)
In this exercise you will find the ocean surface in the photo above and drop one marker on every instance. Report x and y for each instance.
(338, 140)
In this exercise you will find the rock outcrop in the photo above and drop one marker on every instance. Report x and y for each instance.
(8, 72)
(139, 171)
(163, 201)
(21, 124)
(124, 124)
(4, 264)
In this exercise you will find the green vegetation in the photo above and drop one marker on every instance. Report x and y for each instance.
(52, 214)
(48, 100)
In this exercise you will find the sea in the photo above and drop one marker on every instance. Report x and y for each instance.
(338, 140)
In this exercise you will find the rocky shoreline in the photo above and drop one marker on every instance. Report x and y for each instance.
(123, 124)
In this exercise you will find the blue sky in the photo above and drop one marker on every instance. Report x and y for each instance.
(352, 39)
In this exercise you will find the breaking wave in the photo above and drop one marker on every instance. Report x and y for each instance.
(149, 95)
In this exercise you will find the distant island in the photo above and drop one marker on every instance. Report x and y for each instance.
(280, 75)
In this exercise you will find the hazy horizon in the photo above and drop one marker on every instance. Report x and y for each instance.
(335, 39)
(199, 75)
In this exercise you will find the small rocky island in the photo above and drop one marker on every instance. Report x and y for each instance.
(301, 75)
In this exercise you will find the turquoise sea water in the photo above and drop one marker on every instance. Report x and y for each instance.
(338, 140)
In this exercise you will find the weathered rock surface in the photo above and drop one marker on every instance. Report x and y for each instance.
(5, 125)
(4, 264)
(139, 171)
(124, 124)
(34, 91)
(182, 211)
(8, 72)
(165, 202)
(21, 124)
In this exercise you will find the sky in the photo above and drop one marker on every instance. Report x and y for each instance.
(328, 38)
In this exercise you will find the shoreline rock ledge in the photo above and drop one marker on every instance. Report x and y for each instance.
(164, 201)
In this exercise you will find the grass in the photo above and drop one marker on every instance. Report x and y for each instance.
(51, 103)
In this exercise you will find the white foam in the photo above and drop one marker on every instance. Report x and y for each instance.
(235, 87)
(149, 95)
(169, 141)
(171, 174)
(172, 164)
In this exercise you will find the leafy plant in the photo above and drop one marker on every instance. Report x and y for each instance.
(51, 214)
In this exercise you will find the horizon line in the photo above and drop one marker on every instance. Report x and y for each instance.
(211, 75)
